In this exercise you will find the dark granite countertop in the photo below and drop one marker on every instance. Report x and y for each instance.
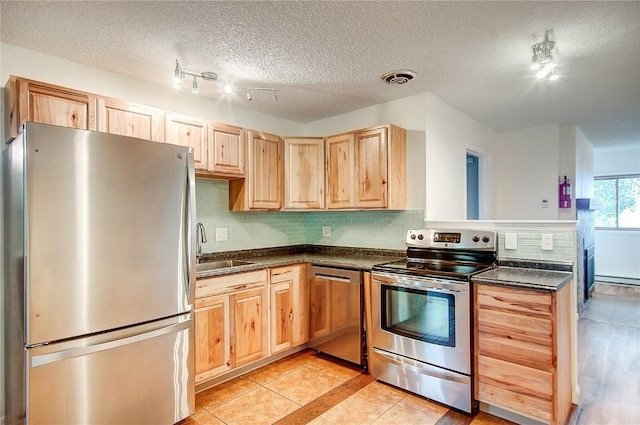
(526, 278)
(342, 257)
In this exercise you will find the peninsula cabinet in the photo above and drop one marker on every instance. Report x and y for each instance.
(188, 131)
(226, 151)
(289, 307)
(366, 169)
(128, 119)
(523, 356)
(27, 100)
(262, 189)
(304, 173)
(231, 327)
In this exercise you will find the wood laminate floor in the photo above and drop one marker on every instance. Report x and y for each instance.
(307, 388)
(609, 357)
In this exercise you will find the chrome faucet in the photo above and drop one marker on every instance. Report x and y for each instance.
(201, 237)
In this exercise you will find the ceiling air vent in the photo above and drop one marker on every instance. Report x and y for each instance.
(397, 78)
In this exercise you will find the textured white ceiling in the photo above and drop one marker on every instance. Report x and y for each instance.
(327, 57)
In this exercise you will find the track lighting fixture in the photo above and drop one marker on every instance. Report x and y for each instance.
(542, 60)
(194, 87)
(179, 75)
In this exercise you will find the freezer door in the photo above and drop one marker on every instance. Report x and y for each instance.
(109, 232)
(141, 375)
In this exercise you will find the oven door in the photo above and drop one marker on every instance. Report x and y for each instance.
(422, 318)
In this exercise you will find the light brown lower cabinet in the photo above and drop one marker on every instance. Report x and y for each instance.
(212, 341)
(289, 307)
(523, 356)
(231, 327)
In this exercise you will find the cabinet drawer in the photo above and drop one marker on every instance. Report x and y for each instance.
(518, 351)
(282, 274)
(521, 380)
(230, 283)
(515, 300)
(525, 405)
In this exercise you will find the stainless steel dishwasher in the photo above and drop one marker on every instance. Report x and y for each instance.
(336, 322)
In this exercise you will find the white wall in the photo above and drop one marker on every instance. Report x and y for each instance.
(526, 170)
(617, 251)
(449, 135)
(408, 113)
(50, 69)
(438, 138)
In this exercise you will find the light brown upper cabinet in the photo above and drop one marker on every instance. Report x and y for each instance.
(188, 131)
(366, 169)
(304, 173)
(262, 188)
(127, 119)
(340, 172)
(226, 151)
(27, 100)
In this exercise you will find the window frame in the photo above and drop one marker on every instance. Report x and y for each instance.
(617, 178)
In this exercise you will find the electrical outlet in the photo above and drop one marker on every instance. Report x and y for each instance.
(326, 231)
(221, 234)
(510, 241)
(547, 242)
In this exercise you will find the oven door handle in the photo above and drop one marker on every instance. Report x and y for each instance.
(422, 368)
(436, 286)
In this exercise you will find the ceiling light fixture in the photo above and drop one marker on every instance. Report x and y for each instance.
(194, 87)
(542, 60)
(179, 75)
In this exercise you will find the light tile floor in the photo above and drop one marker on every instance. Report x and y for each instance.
(272, 392)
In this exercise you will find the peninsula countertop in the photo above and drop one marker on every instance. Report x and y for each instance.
(526, 278)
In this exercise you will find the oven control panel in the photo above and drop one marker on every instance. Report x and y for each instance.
(452, 239)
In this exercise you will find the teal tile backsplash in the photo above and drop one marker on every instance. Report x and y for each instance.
(250, 230)
(530, 246)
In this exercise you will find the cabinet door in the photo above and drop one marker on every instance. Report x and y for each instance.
(49, 104)
(212, 343)
(371, 168)
(188, 131)
(265, 171)
(281, 316)
(340, 171)
(304, 173)
(300, 305)
(319, 305)
(226, 150)
(249, 339)
(126, 119)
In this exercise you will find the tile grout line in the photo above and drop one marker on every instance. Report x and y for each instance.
(322, 404)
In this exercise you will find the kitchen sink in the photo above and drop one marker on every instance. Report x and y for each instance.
(221, 264)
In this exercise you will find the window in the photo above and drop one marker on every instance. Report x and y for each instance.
(620, 197)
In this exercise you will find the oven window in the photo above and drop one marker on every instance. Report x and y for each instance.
(419, 314)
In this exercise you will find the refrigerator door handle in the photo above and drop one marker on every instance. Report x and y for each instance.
(188, 234)
(79, 352)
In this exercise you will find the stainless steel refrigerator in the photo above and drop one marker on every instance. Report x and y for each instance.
(99, 278)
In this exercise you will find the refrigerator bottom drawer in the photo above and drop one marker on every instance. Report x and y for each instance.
(141, 376)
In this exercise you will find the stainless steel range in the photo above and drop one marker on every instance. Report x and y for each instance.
(421, 314)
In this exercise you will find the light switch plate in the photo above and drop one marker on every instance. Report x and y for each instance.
(547, 242)
(221, 234)
(326, 231)
(510, 241)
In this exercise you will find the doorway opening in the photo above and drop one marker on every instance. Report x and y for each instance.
(473, 187)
